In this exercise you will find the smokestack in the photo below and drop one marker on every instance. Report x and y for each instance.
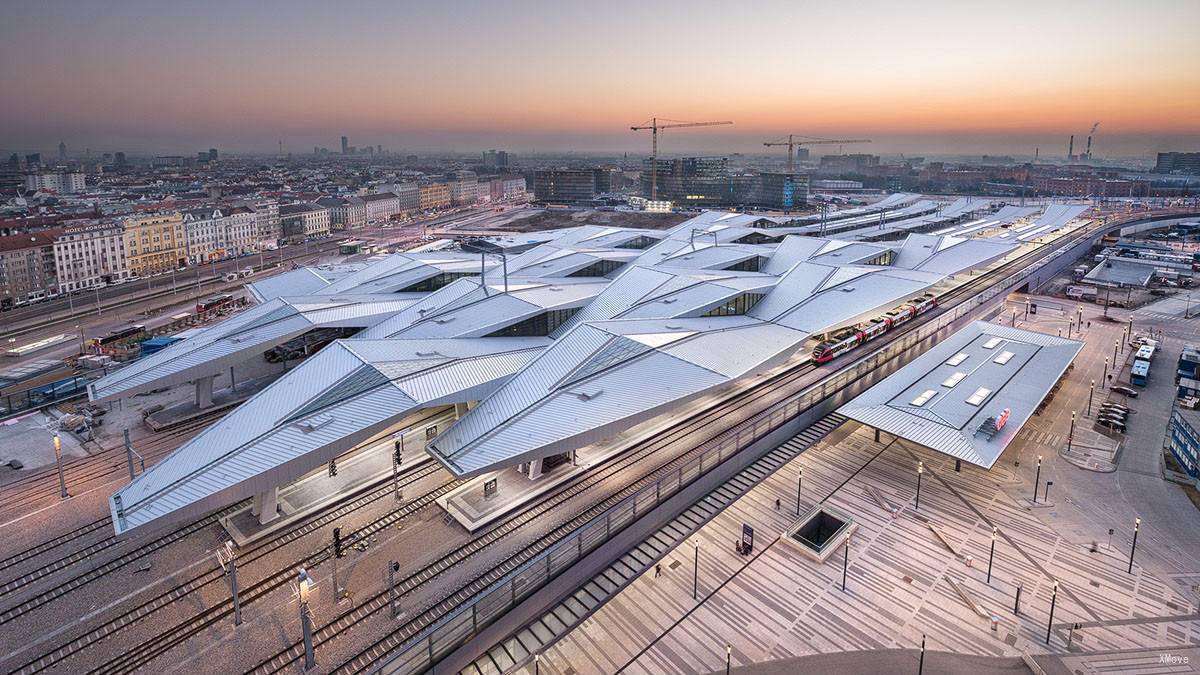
(1071, 149)
(1088, 152)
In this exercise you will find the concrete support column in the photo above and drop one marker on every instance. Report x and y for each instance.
(204, 388)
(460, 409)
(266, 506)
(535, 469)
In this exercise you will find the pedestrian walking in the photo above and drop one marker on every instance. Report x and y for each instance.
(657, 570)
(777, 503)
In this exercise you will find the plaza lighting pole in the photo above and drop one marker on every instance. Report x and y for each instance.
(1137, 524)
(799, 482)
(1105, 376)
(728, 658)
(1116, 344)
(921, 663)
(1050, 621)
(1037, 479)
(991, 554)
(1091, 393)
(845, 563)
(695, 568)
(1071, 433)
(920, 472)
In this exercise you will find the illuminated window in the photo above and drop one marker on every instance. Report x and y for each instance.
(957, 359)
(979, 395)
(1004, 358)
(954, 379)
(923, 398)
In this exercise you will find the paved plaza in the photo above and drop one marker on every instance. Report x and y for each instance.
(924, 571)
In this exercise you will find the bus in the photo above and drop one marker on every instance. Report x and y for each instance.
(213, 303)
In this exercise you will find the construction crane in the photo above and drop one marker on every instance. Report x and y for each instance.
(791, 144)
(654, 125)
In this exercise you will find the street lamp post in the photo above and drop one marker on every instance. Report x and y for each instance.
(1071, 433)
(1137, 524)
(920, 472)
(62, 480)
(991, 554)
(1105, 377)
(728, 658)
(1091, 393)
(1116, 345)
(303, 584)
(1050, 621)
(1037, 479)
(695, 568)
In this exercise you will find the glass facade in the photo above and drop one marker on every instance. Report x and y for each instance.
(537, 326)
(736, 306)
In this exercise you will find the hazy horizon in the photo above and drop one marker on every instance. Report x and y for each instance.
(924, 77)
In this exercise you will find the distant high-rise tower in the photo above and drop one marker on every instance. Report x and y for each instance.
(212, 154)
(345, 144)
(62, 150)
(120, 158)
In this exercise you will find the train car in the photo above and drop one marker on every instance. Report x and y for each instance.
(118, 335)
(215, 302)
(843, 342)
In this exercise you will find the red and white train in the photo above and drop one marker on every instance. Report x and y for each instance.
(850, 338)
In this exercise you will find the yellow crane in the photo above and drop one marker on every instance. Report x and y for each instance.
(791, 144)
(654, 124)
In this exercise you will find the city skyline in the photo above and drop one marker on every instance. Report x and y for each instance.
(932, 78)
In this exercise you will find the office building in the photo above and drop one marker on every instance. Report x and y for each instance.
(345, 145)
(1178, 162)
(570, 186)
(88, 255)
(496, 158)
(1187, 371)
(1183, 439)
(62, 150)
(154, 242)
(695, 182)
(780, 190)
(856, 163)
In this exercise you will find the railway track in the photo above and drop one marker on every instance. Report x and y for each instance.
(134, 657)
(102, 467)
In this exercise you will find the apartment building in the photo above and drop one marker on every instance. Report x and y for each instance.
(345, 213)
(381, 206)
(303, 221)
(89, 254)
(154, 242)
(434, 196)
(63, 183)
(203, 235)
(26, 265)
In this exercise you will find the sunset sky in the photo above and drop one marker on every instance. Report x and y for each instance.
(915, 76)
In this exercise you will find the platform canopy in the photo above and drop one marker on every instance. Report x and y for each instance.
(971, 393)
(211, 350)
(641, 322)
(346, 394)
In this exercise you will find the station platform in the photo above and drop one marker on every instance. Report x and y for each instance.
(475, 506)
(224, 399)
(359, 471)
